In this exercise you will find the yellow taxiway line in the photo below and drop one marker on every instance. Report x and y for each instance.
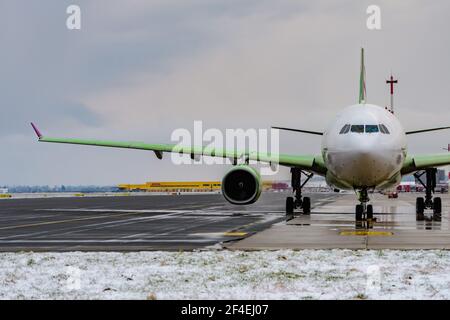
(365, 233)
(235, 234)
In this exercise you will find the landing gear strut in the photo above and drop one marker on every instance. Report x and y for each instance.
(363, 209)
(299, 202)
(428, 202)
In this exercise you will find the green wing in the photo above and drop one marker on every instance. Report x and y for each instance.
(420, 162)
(307, 162)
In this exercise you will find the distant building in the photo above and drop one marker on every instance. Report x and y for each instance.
(190, 186)
(280, 186)
(408, 178)
(3, 190)
(441, 176)
(173, 186)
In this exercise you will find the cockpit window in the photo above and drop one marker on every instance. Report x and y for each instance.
(371, 128)
(361, 128)
(345, 129)
(358, 128)
(384, 129)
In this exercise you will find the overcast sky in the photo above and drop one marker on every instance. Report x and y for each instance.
(139, 69)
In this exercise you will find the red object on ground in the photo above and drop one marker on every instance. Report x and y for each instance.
(392, 195)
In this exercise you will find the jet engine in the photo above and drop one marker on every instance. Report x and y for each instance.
(242, 185)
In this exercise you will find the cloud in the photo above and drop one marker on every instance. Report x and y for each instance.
(140, 69)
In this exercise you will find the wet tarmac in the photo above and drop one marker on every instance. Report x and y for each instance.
(333, 226)
(190, 222)
(134, 223)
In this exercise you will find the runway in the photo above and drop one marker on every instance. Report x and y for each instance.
(133, 223)
(188, 222)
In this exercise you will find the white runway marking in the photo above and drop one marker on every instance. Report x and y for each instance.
(93, 225)
(204, 211)
(104, 241)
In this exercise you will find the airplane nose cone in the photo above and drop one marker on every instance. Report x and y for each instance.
(367, 162)
(366, 146)
(365, 168)
(372, 166)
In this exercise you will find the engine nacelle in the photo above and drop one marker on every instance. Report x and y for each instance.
(242, 185)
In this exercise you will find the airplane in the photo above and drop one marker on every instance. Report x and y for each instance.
(364, 149)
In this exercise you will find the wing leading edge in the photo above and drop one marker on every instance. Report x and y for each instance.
(426, 130)
(307, 162)
(318, 133)
(420, 162)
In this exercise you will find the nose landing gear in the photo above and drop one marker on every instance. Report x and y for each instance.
(303, 203)
(363, 210)
(428, 202)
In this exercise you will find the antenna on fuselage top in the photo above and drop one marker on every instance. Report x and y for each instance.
(362, 80)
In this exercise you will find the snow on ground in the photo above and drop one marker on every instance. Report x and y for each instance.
(285, 274)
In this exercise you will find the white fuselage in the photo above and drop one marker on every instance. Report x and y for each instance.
(368, 153)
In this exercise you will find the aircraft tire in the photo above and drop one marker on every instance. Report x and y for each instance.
(359, 212)
(289, 205)
(437, 205)
(420, 206)
(370, 212)
(306, 205)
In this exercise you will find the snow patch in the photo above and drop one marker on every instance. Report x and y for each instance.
(284, 274)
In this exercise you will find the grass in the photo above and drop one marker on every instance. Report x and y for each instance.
(361, 296)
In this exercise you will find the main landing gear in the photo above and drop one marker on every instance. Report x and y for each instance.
(299, 202)
(428, 202)
(363, 210)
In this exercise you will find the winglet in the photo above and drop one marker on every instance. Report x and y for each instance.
(38, 133)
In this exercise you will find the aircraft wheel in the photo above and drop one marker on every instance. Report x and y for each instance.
(437, 209)
(306, 205)
(420, 206)
(359, 212)
(370, 212)
(289, 205)
(437, 205)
